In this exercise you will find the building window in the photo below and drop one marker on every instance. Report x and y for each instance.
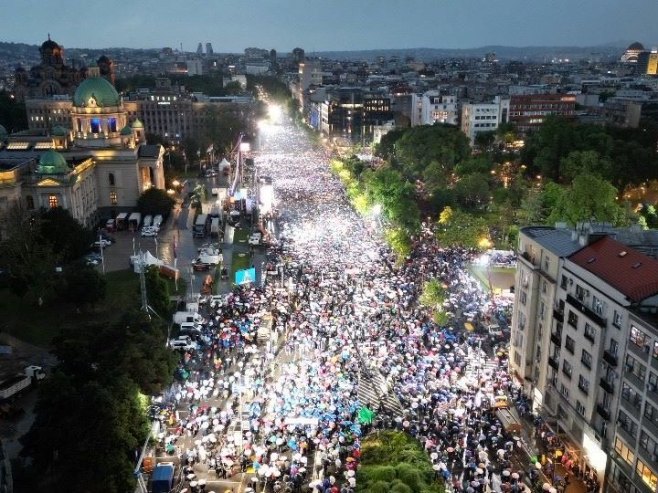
(53, 201)
(569, 344)
(635, 367)
(547, 264)
(564, 390)
(626, 423)
(639, 338)
(649, 478)
(583, 384)
(598, 306)
(652, 384)
(566, 368)
(563, 282)
(573, 319)
(586, 359)
(29, 202)
(544, 287)
(523, 298)
(110, 178)
(629, 394)
(651, 413)
(616, 320)
(580, 409)
(113, 198)
(589, 333)
(95, 125)
(624, 451)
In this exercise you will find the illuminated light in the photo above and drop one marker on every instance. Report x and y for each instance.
(170, 192)
(596, 457)
(377, 209)
(484, 243)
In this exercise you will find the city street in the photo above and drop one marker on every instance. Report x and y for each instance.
(278, 409)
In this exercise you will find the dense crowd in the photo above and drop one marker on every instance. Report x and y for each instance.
(285, 359)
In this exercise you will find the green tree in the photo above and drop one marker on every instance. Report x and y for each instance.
(157, 291)
(13, 115)
(589, 162)
(66, 235)
(387, 187)
(472, 191)
(28, 256)
(155, 201)
(484, 140)
(588, 198)
(84, 284)
(463, 230)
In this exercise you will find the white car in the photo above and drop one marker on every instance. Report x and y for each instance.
(183, 343)
(157, 221)
(149, 231)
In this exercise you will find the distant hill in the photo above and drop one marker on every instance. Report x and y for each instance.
(15, 53)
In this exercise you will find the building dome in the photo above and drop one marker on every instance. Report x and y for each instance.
(127, 130)
(52, 163)
(49, 45)
(96, 91)
(636, 46)
(137, 123)
(59, 131)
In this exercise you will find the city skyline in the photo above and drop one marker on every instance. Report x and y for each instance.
(340, 25)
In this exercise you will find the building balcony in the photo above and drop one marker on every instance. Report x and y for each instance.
(558, 315)
(585, 310)
(556, 339)
(530, 260)
(610, 358)
(607, 386)
(554, 363)
(603, 412)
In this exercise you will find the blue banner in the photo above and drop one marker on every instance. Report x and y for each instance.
(245, 276)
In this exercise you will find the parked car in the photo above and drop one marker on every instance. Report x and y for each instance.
(183, 343)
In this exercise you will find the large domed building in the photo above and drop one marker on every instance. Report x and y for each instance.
(632, 53)
(52, 76)
(96, 169)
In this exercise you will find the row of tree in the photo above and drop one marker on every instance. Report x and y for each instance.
(91, 414)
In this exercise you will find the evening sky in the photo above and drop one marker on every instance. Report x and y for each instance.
(328, 25)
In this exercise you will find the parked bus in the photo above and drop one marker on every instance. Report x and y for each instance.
(200, 228)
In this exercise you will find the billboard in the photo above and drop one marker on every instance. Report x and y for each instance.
(245, 276)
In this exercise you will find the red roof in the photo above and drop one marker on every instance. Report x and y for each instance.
(627, 270)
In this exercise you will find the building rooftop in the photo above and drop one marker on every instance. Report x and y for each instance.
(558, 241)
(147, 150)
(627, 270)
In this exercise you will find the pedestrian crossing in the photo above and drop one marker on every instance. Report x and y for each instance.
(372, 390)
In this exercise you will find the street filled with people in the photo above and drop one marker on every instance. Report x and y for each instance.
(273, 390)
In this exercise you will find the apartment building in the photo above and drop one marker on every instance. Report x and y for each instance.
(584, 344)
(484, 117)
(437, 108)
(528, 111)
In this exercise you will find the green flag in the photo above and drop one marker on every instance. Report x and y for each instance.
(365, 416)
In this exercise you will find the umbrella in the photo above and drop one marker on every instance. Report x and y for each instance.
(365, 416)
(515, 475)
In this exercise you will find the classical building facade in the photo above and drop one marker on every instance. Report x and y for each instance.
(95, 169)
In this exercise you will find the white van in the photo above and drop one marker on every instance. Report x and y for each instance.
(147, 221)
(157, 221)
(190, 327)
(183, 317)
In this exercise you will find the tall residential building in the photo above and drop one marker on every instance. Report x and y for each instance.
(584, 345)
(484, 117)
(199, 49)
(209, 50)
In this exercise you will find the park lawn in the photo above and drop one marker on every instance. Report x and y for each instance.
(241, 235)
(38, 325)
(239, 261)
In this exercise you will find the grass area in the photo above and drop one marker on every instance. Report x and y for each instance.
(239, 261)
(241, 235)
(38, 325)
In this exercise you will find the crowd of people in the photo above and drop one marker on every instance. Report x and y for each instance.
(273, 388)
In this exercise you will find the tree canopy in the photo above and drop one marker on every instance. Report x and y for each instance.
(155, 201)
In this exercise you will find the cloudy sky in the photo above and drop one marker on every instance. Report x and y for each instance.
(321, 25)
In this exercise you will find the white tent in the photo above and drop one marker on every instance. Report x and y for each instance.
(144, 258)
(224, 164)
